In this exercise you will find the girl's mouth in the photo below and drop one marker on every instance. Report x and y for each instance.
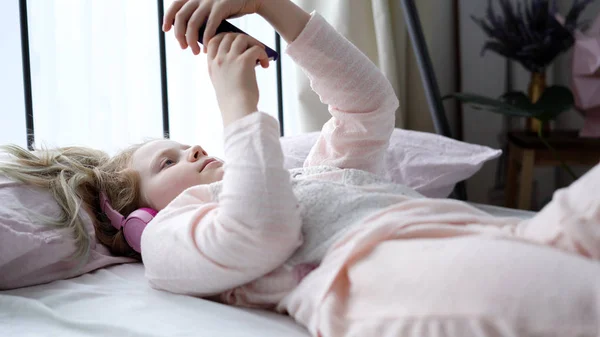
(206, 163)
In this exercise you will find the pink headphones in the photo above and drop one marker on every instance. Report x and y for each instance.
(133, 225)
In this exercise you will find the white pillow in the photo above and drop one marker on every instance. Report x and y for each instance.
(428, 163)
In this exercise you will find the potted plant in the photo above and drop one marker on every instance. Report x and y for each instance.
(533, 34)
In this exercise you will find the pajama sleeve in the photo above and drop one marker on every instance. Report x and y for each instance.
(361, 100)
(200, 247)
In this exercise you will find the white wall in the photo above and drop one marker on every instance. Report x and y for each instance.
(12, 110)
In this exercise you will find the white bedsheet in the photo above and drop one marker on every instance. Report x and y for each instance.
(117, 301)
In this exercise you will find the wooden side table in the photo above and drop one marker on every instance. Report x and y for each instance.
(526, 151)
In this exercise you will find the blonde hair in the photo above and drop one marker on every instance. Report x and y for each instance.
(75, 176)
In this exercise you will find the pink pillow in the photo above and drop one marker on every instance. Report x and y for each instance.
(428, 163)
(33, 253)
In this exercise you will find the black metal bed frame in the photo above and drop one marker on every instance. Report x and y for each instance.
(413, 23)
(432, 90)
(26, 73)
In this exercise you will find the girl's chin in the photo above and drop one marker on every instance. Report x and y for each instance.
(219, 172)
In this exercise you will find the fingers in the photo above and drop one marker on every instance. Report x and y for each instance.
(225, 44)
(169, 16)
(256, 54)
(181, 21)
(244, 42)
(213, 46)
(238, 45)
(218, 13)
(193, 26)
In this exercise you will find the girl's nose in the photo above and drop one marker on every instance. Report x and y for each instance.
(195, 153)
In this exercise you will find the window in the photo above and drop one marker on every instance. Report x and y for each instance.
(95, 69)
(12, 112)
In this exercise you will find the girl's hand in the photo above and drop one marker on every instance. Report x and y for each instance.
(232, 59)
(190, 15)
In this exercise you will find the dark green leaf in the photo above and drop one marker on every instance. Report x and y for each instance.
(518, 99)
(554, 101)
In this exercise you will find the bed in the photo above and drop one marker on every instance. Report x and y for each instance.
(117, 301)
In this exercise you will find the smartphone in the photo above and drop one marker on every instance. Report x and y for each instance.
(225, 27)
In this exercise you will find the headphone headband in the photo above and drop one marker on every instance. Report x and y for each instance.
(116, 219)
(133, 226)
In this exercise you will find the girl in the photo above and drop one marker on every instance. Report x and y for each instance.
(327, 243)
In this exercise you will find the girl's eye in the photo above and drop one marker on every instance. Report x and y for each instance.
(167, 163)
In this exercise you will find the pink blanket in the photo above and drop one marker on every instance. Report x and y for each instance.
(443, 268)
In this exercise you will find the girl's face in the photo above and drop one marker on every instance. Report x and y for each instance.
(167, 168)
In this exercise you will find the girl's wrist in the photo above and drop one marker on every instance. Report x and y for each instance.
(236, 110)
(285, 16)
(263, 7)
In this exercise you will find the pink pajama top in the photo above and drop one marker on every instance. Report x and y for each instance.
(251, 238)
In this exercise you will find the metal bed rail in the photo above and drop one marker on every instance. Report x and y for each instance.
(432, 90)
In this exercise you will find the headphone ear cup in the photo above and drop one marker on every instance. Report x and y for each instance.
(134, 226)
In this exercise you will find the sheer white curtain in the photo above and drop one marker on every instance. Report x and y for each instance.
(12, 111)
(96, 77)
(377, 28)
(95, 72)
